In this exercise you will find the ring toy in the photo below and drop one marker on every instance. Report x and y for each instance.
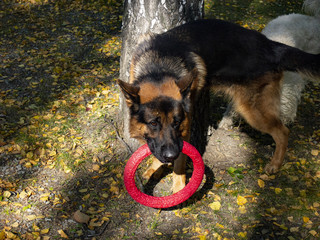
(166, 201)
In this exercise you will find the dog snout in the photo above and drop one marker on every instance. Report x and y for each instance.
(169, 153)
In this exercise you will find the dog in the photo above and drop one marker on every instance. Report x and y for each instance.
(169, 70)
(296, 30)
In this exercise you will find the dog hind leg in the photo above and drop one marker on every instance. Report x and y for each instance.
(259, 104)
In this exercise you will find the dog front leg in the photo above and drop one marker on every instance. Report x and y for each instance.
(179, 173)
(155, 169)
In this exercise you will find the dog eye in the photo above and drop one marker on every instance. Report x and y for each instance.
(153, 123)
(176, 124)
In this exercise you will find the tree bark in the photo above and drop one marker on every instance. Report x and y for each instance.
(156, 16)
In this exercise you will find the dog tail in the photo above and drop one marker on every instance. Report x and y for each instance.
(295, 60)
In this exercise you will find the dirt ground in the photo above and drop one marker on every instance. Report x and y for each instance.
(62, 156)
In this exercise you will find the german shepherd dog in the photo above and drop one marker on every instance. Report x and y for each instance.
(168, 70)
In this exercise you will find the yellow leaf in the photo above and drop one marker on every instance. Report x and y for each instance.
(29, 155)
(202, 237)
(105, 195)
(290, 219)
(44, 231)
(2, 235)
(114, 189)
(23, 194)
(62, 234)
(306, 219)
(241, 200)
(242, 234)
(35, 228)
(315, 152)
(261, 183)
(294, 229)
(10, 235)
(280, 225)
(45, 198)
(58, 116)
(242, 209)
(219, 225)
(83, 190)
(6, 194)
(96, 167)
(48, 145)
(52, 153)
(316, 205)
(66, 169)
(176, 231)
(16, 224)
(215, 205)
(313, 233)
(31, 217)
(86, 197)
(277, 190)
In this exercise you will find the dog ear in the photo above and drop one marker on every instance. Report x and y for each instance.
(130, 92)
(185, 83)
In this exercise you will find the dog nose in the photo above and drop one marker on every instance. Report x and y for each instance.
(169, 155)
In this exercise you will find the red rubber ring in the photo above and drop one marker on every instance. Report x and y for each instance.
(166, 201)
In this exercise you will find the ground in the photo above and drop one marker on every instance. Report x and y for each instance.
(62, 156)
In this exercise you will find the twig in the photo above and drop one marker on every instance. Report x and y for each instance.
(118, 135)
(139, 182)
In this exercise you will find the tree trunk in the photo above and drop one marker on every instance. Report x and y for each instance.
(156, 16)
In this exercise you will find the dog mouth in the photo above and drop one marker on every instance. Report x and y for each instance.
(165, 153)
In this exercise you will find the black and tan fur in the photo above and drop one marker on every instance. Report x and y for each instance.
(168, 71)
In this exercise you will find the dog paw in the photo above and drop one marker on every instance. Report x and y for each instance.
(271, 168)
(177, 187)
(155, 173)
(148, 173)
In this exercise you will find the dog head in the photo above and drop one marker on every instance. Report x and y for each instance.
(159, 114)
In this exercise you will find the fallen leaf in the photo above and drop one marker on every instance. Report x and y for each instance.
(261, 183)
(62, 234)
(31, 217)
(86, 197)
(277, 190)
(313, 233)
(96, 167)
(242, 209)
(14, 225)
(314, 152)
(242, 234)
(306, 219)
(241, 200)
(45, 197)
(215, 206)
(44, 231)
(6, 194)
(2, 235)
(294, 229)
(220, 225)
